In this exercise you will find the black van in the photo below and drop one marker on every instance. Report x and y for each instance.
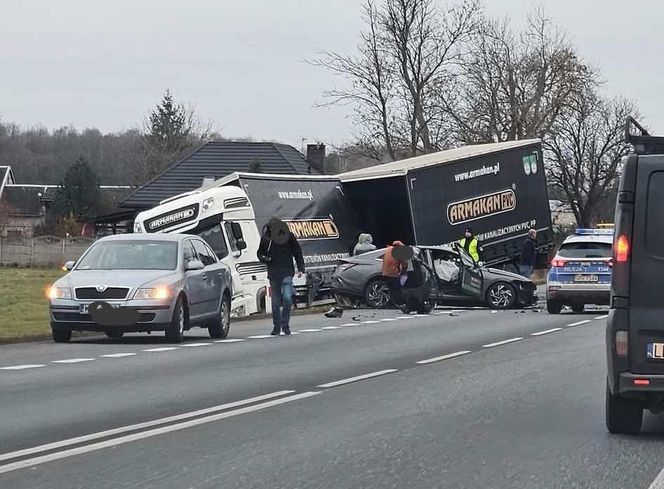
(635, 329)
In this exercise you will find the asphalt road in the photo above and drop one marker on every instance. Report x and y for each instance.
(459, 398)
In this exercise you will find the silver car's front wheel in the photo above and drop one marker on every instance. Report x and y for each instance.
(377, 294)
(501, 296)
(221, 325)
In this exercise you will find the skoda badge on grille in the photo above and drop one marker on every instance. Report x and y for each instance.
(101, 288)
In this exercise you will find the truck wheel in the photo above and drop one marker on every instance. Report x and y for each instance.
(175, 330)
(377, 294)
(578, 308)
(553, 307)
(60, 334)
(623, 416)
(501, 295)
(222, 323)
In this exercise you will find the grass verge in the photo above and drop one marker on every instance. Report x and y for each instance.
(23, 304)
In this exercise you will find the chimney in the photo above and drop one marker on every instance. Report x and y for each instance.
(316, 156)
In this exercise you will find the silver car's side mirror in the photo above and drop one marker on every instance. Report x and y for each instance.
(69, 266)
(194, 265)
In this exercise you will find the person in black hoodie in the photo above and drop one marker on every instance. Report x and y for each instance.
(278, 248)
(528, 254)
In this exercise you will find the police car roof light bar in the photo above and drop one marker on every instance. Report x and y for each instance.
(594, 232)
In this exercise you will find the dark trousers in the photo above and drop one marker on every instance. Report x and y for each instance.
(396, 294)
(282, 300)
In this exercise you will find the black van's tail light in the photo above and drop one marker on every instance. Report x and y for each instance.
(622, 248)
(622, 343)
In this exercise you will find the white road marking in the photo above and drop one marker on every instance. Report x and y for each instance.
(658, 483)
(31, 462)
(234, 340)
(347, 325)
(546, 331)
(387, 320)
(440, 313)
(22, 367)
(331, 327)
(444, 357)
(579, 323)
(294, 333)
(421, 315)
(355, 379)
(405, 317)
(500, 343)
(196, 344)
(370, 322)
(602, 317)
(139, 426)
(74, 360)
(312, 330)
(260, 336)
(118, 355)
(163, 348)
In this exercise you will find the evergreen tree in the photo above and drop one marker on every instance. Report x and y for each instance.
(79, 195)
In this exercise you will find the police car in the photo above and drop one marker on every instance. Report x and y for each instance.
(580, 273)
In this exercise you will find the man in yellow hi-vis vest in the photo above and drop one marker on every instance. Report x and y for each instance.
(469, 243)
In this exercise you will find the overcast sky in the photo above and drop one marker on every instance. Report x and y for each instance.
(88, 63)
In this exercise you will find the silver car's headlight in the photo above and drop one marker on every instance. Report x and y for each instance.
(59, 293)
(152, 293)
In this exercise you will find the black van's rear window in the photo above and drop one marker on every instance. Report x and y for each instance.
(655, 215)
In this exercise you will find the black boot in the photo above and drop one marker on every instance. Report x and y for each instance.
(286, 330)
(275, 332)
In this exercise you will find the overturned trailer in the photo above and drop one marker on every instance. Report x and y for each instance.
(498, 189)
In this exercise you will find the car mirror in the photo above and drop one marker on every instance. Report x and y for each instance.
(241, 244)
(236, 230)
(68, 266)
(194, 265)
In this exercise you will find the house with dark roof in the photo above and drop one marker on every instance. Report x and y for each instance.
(23, 207)
(215, 160)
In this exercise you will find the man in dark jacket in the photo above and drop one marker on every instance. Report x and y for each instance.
(528, 254)
(278, 249)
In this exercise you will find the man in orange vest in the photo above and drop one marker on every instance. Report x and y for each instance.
(393, 269)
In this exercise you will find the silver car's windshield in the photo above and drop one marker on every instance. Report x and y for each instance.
(131, 255)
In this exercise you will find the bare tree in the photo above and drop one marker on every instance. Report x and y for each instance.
(409, 53)
(515, 86)
(584, 150)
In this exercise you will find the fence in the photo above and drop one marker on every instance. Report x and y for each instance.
(41, 251)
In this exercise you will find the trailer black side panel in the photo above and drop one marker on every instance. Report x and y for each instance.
(500, 196)
(316, 211)
(382, 206)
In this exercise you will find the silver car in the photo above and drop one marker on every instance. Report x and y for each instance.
(143, 283)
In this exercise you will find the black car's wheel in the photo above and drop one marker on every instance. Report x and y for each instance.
(501, 295)
(114, 334)
(175, 330)
(553, 307)
(578, 308)
(623, 416)
(222, 323)
(60, 334)
(426, 307)
(377, 294)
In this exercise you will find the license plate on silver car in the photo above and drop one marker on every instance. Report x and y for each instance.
(83, 308)
(656, 351)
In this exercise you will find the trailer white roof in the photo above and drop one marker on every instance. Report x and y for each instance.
(402, 167)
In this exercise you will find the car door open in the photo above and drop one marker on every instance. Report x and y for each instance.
(471, 274)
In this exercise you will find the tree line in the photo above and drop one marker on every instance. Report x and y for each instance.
(426, 77)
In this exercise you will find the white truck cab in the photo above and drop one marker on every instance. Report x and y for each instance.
(225, 219)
